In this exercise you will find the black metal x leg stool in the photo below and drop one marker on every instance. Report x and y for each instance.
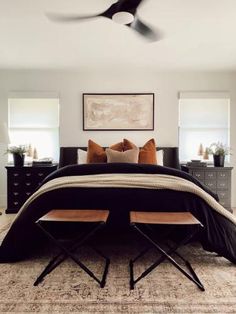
(97, 217)
(138, 220)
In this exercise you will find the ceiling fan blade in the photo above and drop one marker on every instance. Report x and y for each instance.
(69, 18)
(144, 30)
(128, 5)
(77, 18)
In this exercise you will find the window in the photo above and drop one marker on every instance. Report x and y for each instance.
(203, 119)
(35, 121)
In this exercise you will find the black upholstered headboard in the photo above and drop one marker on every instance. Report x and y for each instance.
(68, 156)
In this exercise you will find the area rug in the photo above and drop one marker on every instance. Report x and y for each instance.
(69, 290)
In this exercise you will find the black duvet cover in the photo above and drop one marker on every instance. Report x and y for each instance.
(219, 234)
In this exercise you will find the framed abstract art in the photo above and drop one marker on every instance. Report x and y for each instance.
(109, 112)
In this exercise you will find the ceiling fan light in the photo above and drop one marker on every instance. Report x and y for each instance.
(123, 17)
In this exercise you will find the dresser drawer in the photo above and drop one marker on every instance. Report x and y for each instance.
(223, 175)
(211, 184)
(15, 204)
(15, 174)
(28, 175)
(210, 175)
(15, 193)
(199, 174)
(223, 195)
(222, 184)
(40, 175)
(16, 201)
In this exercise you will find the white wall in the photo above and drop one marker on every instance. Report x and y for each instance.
(71, 85)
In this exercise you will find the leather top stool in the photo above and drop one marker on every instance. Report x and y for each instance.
(97, 218)
(143, 222)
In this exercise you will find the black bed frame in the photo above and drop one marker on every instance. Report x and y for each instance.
(68, 156)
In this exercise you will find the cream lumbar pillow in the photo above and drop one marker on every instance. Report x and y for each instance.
(129, 156)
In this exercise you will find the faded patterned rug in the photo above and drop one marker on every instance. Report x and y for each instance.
(69, 290)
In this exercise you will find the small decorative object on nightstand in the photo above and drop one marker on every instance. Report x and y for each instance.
(206, 154)
(22, 182)
(200, 150)
(219, 151)
(217, 179)
(18, 153)
(35, 154)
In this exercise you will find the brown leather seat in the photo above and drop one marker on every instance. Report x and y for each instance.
(164, 218)
(76, 215)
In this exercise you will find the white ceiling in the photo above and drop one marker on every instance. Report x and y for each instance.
(198, 35)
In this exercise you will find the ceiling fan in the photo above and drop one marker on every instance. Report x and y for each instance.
(122, 12)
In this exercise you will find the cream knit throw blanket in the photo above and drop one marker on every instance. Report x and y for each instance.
(131, 180)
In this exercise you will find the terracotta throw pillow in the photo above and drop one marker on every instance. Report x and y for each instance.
(127, 144)
(129, 156)
(147, 153)
(97, 154)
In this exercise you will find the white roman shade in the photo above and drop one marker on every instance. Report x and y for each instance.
(204, 118)
(35, 120)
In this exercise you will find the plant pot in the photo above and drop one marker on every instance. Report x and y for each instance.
(18, 160)
(219, 160)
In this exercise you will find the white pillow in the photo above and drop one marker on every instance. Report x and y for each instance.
(160, 155)
(81, 156)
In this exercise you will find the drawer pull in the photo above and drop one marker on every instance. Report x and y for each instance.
(16, 203)
(209, 184)
(15, 174)
(28, 174)
(210, 175)
(40, 174)
(15, 193)
(15, 183)
(197, 175)
(27, 193)
(28, 183)
(222, 175)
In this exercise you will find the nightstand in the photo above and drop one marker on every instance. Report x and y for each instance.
(217, 179)
(22, 182)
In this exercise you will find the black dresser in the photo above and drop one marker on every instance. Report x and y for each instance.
(21, 183)
(217, 179)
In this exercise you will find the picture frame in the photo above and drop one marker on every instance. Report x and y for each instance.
(114, 112)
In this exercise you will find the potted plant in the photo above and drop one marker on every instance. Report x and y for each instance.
(219, 151)
(18, 153)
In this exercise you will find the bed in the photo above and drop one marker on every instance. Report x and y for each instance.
(121, 187)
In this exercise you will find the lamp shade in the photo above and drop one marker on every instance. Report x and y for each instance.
(4, 136)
